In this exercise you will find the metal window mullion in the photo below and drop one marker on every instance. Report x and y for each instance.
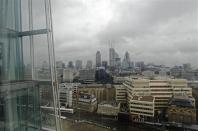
(22, 60)
(31, 48)
(50, 51)
(31, 37)
(53, 52)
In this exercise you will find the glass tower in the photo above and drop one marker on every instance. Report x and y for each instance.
(28, 85)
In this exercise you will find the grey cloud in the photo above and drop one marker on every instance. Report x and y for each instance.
(146, 17)
(161, 31)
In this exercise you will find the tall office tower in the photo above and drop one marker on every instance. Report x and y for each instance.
(89, 64)
(126, 64)
(70, 64)
(26, 40)
(111, 57)
(78, 64)
(98, 59)
(105, 64)
(117, 60)
(114, 59)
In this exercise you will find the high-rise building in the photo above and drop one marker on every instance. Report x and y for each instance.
(126, 64)
(27, 104)
(111, 57)
(78, 64)
(70, 64)
(105, 64)
(98, 59)
(89, 64)
(117, 60)
(114, 59)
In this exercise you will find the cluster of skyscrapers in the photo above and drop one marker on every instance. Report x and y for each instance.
(114, 60)
(113, 63)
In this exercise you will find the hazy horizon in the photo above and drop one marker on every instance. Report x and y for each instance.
(158, 31)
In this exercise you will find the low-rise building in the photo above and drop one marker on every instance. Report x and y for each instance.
(87, 102)
(87, 75)
(102, 92)
(68, 94)
(118, 80)
(65, 96)
(148, 73)
(193, 84)
(182, 110)
(108, 108)
(142, 107)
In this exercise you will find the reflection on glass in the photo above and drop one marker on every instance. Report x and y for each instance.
(27, 78)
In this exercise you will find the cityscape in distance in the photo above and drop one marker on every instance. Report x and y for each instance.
(107, 65)
(120, 90)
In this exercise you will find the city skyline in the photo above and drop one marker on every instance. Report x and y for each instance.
(148, 30)
(119, 65)
(122, 60)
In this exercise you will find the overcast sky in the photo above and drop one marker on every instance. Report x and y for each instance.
(159, 31)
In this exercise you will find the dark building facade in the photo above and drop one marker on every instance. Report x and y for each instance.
(182, 110)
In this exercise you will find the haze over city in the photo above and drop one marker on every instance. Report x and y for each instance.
(164, 32)
(98, 65)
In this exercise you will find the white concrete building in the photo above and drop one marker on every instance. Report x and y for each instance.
(68, 75)
(161, 90)
(121, 93)
(66, 94)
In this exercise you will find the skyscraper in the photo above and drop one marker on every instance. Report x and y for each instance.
(126, 61)
(78, 64)
(89, 64)
(98, 59)
(105, 64)
(114, 59)
(117, 60)
(111, 57)
(26, 40)
(70, 64)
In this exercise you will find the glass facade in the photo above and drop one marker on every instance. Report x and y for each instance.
(28, 87)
